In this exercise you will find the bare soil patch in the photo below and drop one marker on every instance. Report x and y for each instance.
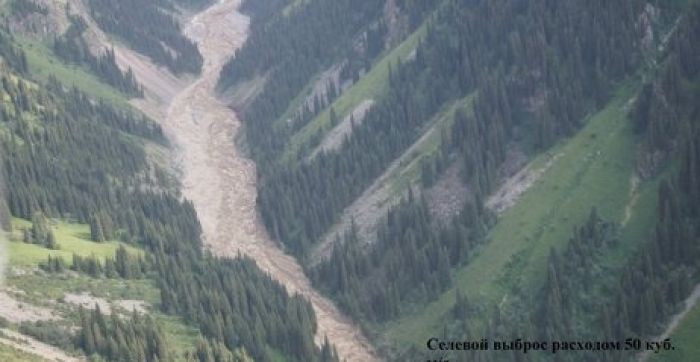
(374, 203)
(88, 301)
(514, 187)
(334, 139)
(447, 196)
(16, 311)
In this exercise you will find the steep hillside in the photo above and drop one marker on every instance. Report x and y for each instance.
(457, 162)
(104, 253)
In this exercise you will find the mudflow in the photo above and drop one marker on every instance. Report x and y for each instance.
(219, 180)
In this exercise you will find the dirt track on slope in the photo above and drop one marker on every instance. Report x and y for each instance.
(220, 181)
(515, 186)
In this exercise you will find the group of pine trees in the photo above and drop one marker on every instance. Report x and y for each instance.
(236, 305)
(12, 54)
(73, 48)
(24, 8)
(410, 261)
(123, 265)
(665, 107)
(40, 232)
(151, 29)
(137, 338)
(209, 351)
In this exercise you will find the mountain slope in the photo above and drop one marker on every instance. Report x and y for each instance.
(87, 172)
(547, 139)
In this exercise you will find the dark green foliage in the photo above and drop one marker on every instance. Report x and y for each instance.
(5, 215)
(571, 276)
(409, 262)
(40, 233)
(89, 265)
(123, 265)
(127, 266)
(96, 232)
(53, 265)
(72, 47)
(525, 58)
(24, 8)
(667, 105)
(135, 339)
(150, 30)
(233, 303)
(101, 227)
(209, 351)
(12, 54)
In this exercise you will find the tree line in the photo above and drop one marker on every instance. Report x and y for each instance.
(72, 47)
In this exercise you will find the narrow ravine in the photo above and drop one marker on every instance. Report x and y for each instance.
(220, 181)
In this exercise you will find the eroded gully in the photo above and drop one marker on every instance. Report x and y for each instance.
(220, 181)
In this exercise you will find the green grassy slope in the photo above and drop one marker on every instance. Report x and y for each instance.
(43, 64)
(71, 237)
(592, 169)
